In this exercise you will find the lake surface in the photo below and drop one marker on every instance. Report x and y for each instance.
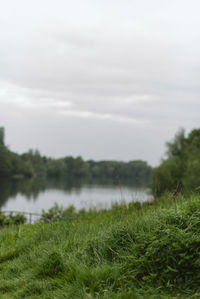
(37, 195)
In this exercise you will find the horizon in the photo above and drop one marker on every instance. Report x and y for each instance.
(95, 160)
(62, 157)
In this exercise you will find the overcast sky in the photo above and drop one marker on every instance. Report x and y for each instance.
(104, 79)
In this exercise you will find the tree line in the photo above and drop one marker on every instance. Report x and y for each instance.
(33, 164)
(180, 171)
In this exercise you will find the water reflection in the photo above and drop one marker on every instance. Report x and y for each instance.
(31, 188)
(28, 188)
(23, 194)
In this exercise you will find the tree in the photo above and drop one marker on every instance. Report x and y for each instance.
(2, 134)
(5, 162)
(168, 176)
(181, 170)
(176, 147)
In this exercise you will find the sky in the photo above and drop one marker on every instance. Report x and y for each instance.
(103, 79)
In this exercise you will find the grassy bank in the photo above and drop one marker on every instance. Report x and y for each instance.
(134, 252)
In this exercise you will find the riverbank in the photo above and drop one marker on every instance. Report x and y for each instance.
(127, 252)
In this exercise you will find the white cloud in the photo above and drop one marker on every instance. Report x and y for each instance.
(28, 98)
(101, 116)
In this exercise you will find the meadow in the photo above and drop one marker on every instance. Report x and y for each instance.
(134, 251)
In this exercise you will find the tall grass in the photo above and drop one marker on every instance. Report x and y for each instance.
(149, 251)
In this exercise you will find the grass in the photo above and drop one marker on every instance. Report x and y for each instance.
(151, 251)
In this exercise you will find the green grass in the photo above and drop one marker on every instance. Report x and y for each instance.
(128, 252)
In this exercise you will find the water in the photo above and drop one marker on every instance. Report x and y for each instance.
(37, 195)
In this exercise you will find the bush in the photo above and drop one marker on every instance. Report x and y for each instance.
(11, 219)
(57, 213)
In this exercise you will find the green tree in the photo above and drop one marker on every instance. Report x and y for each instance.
(181, 170)
(2, 133)
(176, 147)
(5, 162)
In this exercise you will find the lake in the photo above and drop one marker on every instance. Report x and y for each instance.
(41, 194)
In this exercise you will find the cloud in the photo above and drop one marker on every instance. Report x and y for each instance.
(26, 98)
(134, 64)
(101, 116)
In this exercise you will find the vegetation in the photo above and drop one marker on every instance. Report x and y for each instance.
(32, 164)
(130, 251)
(149, 251)
(180, 171)
(11, 219)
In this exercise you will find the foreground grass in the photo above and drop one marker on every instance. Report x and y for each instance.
(134, 252)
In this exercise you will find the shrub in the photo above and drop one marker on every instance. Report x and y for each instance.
(11, 219)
